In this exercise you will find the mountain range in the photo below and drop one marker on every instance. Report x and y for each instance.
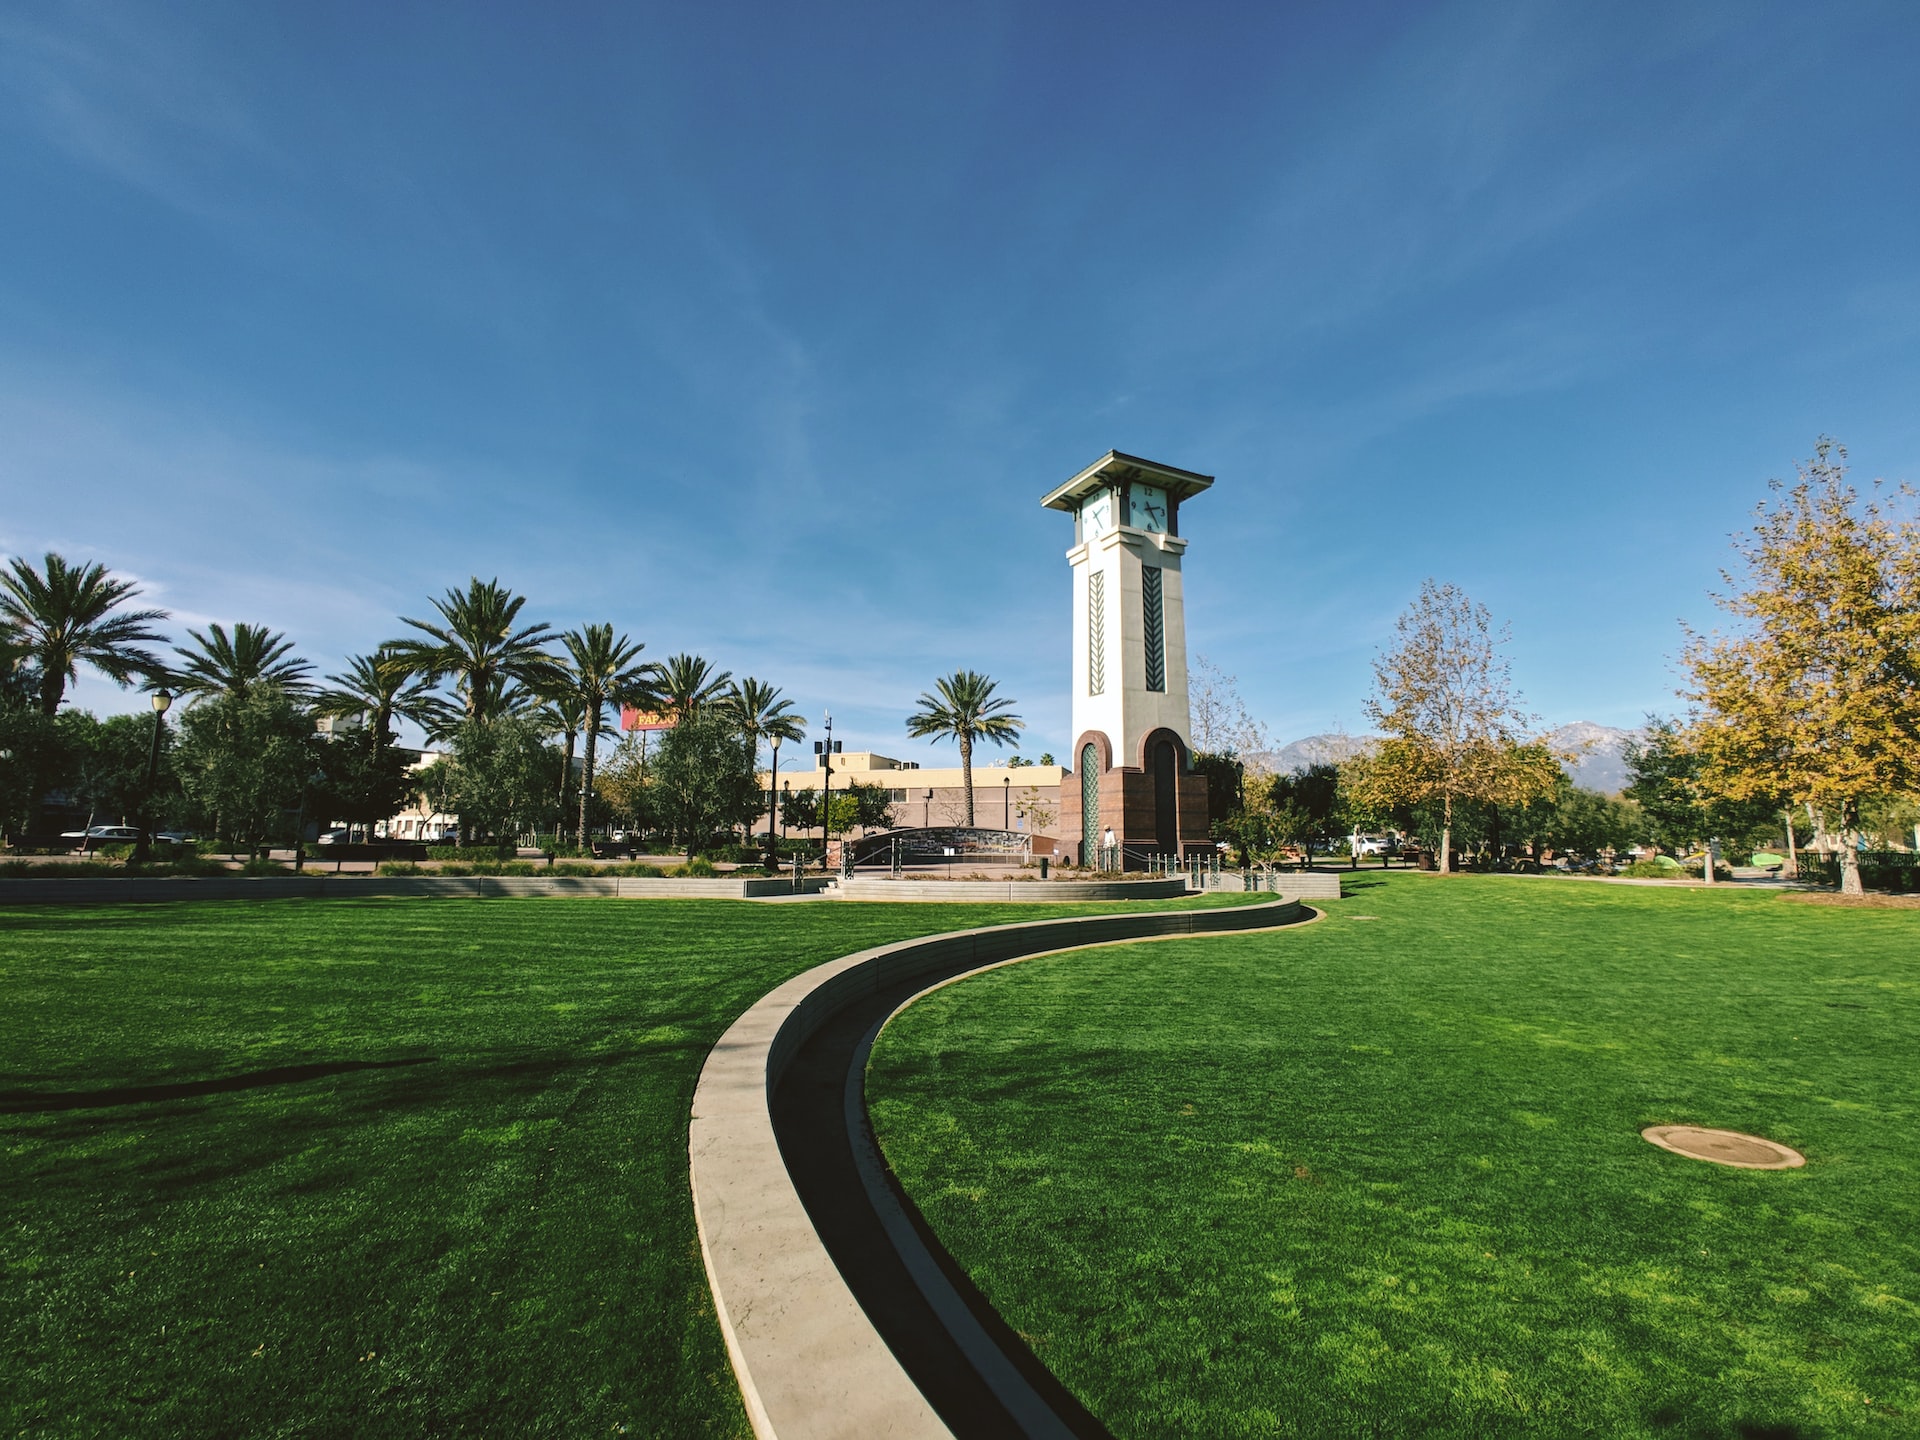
(1599, 750)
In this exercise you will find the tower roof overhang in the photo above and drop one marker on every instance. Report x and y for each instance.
(1114, 467)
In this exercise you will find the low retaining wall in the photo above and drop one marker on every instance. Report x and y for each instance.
(88, 891)
(809, 1362)
(1287, 885)
(1051, 891)
(1292, 884)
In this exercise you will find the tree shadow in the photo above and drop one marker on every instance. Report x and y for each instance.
(26, 1102)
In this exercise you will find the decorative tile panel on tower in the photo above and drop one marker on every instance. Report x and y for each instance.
(1131, 721)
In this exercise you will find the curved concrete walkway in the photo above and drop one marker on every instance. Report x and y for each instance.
(791, 1225)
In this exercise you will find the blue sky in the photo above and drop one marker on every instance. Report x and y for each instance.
(759, 330)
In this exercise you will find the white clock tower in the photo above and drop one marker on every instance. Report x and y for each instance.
(1131, 759)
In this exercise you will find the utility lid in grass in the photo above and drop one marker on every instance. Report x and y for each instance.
(1724, 1147)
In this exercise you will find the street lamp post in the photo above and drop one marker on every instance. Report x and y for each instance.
(826, 796)
(773, 778)
(1006, 802)
(143, 851)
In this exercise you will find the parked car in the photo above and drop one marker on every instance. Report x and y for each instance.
(102, 835)
(1375, 844)
(333, 837)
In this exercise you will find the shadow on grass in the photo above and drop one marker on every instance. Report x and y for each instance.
(26, 1102)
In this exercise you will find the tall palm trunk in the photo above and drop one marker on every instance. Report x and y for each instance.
(966, 771)
(586, 782)
(566, 779)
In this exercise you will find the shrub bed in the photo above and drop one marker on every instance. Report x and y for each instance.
(472, 852)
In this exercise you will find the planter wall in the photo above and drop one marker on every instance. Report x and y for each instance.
(141, 890)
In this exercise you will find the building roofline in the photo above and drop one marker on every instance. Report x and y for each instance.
(1117, 465)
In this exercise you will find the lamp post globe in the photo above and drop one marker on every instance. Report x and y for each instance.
(161, 700)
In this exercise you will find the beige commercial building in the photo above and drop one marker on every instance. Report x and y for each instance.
(1021, 798)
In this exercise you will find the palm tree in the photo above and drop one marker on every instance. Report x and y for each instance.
(64, 614)
(605, 671)
(377, 690)
(236, 666)
(685, 683)
(759, 712)
(965, 710)
(476, 642)
(563, 714)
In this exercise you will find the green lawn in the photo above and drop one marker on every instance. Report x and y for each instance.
(1382, 1175)
(375, 1167)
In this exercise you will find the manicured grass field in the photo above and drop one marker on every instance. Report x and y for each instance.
(376, 1167)
(1382, 1175)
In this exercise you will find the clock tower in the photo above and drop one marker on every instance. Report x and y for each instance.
(1131, 760)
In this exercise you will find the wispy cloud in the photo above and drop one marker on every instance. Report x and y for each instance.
(128, 96)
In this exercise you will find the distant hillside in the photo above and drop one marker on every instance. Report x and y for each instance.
(1600, 763)
(1314, 750)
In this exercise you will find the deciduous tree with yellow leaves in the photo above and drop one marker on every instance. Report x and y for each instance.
(1452, 725)
(1815, 695)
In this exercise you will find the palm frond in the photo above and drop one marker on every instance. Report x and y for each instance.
(219, 664)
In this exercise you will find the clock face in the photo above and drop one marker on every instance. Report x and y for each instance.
(1149, 509)
(1097, 514)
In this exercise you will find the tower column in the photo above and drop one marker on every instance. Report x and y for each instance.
(1131, 757)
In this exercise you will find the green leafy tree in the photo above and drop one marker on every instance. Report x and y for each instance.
(872, 807)
(361, 780)
(603, 671)
(800, 809)
(500, 778)
(1576, 820)
(480, 645)
(962, 707)
(218, 665)
(62, 616)
(1255, 828)
(1677, 809)
(36, 759)
(1815, 696)
(1891, 821)
(702, 782)
(245, 762)
(1226, 787)
(1663, 780)
(1303, 805)
(843, 812)
(105, 769)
